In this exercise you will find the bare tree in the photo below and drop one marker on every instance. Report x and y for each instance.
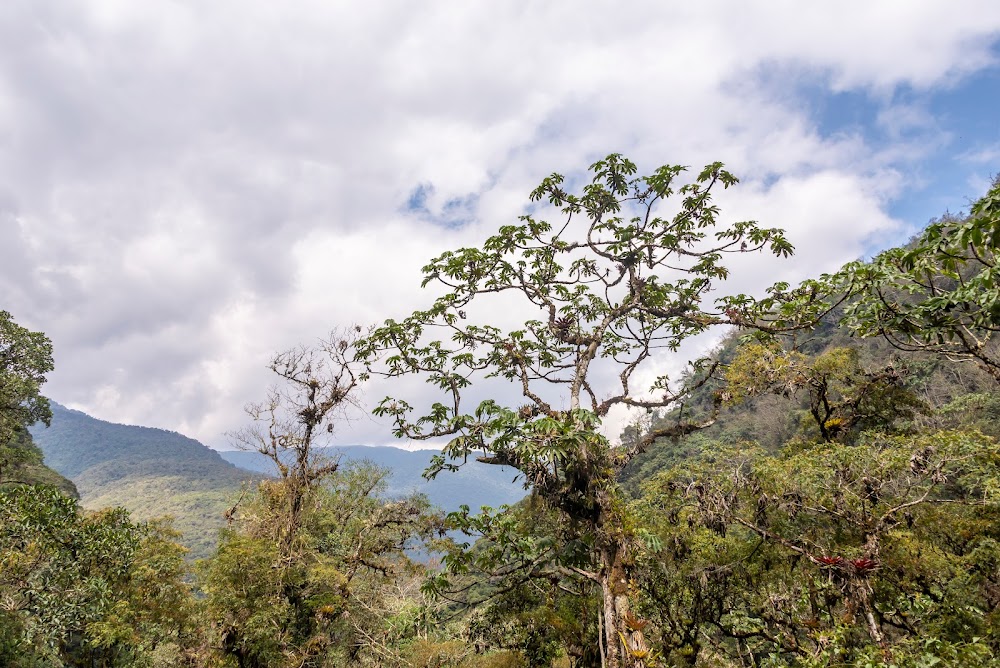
(291, 425)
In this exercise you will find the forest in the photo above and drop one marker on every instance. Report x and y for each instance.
(822, 489)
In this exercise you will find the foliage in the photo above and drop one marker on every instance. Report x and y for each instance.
(325, 595)
(939, 294)
(25, 358)
(843, 397)
(948, 396)
(455, 654)
(978, 411)
(831, 554)
(524, 582)
(85, 589)
(288, 427)
(307, 572)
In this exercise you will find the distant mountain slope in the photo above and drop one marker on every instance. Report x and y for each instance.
(154, 472)
(151, 472)
(475, 484)
(77, 442)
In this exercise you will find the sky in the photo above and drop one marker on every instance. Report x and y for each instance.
(188, 187)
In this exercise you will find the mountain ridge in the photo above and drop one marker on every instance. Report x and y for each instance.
(149, 471)
(153, 472)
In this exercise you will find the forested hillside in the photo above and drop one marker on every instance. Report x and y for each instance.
(24, 465)
(149, 472)
(941, 393)
(155, 473)
(821, 490)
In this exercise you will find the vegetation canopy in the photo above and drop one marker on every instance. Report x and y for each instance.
(25, 358)
(941, 293)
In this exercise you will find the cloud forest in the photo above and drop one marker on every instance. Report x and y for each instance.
(821, 488)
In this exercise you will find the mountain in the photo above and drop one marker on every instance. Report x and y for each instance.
(151, 472)
(474, 484)
(154, 472)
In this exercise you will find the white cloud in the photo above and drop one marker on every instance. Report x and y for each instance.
(984, 155)
(189, 186)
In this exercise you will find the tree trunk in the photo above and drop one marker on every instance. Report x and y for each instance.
(862, 592)
(623, 638)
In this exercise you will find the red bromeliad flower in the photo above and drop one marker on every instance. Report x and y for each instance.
(830, 561)
(863, 565)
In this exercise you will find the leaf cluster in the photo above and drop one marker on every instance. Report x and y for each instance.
(941, 293)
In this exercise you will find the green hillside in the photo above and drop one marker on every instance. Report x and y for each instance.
(953, 395)
(150, 472)
(154, 472)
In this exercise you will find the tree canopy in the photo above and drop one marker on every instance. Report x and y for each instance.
(25, 358)
(940, 293)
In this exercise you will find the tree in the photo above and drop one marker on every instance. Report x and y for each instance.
(86, 588)
(331, 599)
(939, 294)
(304, 575)
(25, 358)
(624, 276)
(843, 397)
(881, 553)
(290, 426)
(521, 583)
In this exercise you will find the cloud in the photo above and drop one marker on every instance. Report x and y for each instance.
(984, 155)
(188, 187)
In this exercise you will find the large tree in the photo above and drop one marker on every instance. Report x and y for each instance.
(622, 279)
(25, 358)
